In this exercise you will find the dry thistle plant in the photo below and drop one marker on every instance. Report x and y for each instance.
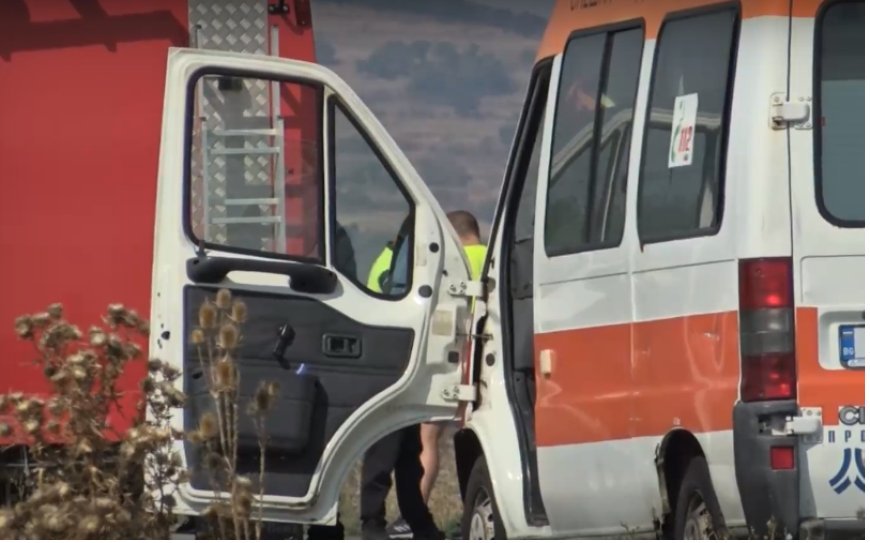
(86, 480)
(216, 338)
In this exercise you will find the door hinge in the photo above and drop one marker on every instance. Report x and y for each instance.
(796, 112)
(459, 393)
(470, 289)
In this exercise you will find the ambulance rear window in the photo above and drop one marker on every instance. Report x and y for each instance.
(839, 126)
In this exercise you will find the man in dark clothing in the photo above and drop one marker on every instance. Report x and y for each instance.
(398, 452)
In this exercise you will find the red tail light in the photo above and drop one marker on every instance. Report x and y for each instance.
(768, 369)
(768, 377)
(766, 283)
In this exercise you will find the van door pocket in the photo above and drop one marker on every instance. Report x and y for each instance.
(287, 423)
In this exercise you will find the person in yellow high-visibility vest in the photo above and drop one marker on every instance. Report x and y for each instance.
(380, 269)
(467, 228)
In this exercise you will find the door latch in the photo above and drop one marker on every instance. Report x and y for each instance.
(807, 425)
(795, 112)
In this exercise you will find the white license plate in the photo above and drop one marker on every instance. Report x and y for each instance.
(852, 346)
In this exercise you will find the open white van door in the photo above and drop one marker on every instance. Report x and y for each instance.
(276, 182)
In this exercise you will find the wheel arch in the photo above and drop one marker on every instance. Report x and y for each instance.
(467, 449)
(673, 454)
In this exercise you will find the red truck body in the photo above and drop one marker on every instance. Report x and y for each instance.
(81, 96)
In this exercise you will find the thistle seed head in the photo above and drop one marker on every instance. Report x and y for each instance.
(229, 336)
(208, 426)
(240, 311)
(207, 316)
(197, 337)
(225, 374)
(55, 311)
(224, 298)
(24, 327)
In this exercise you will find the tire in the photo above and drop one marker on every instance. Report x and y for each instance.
(697, 514)
(480, 516)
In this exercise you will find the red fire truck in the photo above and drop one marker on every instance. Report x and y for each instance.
(81, 100)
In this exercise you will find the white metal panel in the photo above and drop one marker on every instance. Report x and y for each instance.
(582, 483)
(624, 494)
(757, 178)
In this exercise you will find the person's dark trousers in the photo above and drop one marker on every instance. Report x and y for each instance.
(398, 452)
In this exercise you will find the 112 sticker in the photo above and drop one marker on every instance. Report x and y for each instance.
(683, 130)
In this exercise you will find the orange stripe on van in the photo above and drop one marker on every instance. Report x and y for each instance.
(679, 372)
(817, 386)
(571, 15)
(673, 373)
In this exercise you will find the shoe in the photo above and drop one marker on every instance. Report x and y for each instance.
(399, 529)
(374, 529)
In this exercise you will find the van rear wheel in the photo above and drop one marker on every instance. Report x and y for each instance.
(697, 514)
(480, 516)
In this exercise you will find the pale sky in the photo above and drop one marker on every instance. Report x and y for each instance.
(446, 78)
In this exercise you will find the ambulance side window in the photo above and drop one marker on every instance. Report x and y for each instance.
(585, 207)
(682, 165)
(839, 107)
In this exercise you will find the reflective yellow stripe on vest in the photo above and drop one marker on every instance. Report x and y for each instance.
(381, 266)
(476, 257)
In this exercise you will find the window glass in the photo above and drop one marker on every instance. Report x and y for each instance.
(255, 175)
(571, 162)
(619, 90)
(607, 206)
(525, 219)
(681, 175)
(593, 115)
(841, 115)
(372, 214)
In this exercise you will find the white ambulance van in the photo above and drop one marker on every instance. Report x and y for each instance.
(674, 339)
(669, 335)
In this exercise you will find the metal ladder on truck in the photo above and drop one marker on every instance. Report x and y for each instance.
(274, 204)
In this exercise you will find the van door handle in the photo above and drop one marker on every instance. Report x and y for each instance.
(286, 335)
(342, 346)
